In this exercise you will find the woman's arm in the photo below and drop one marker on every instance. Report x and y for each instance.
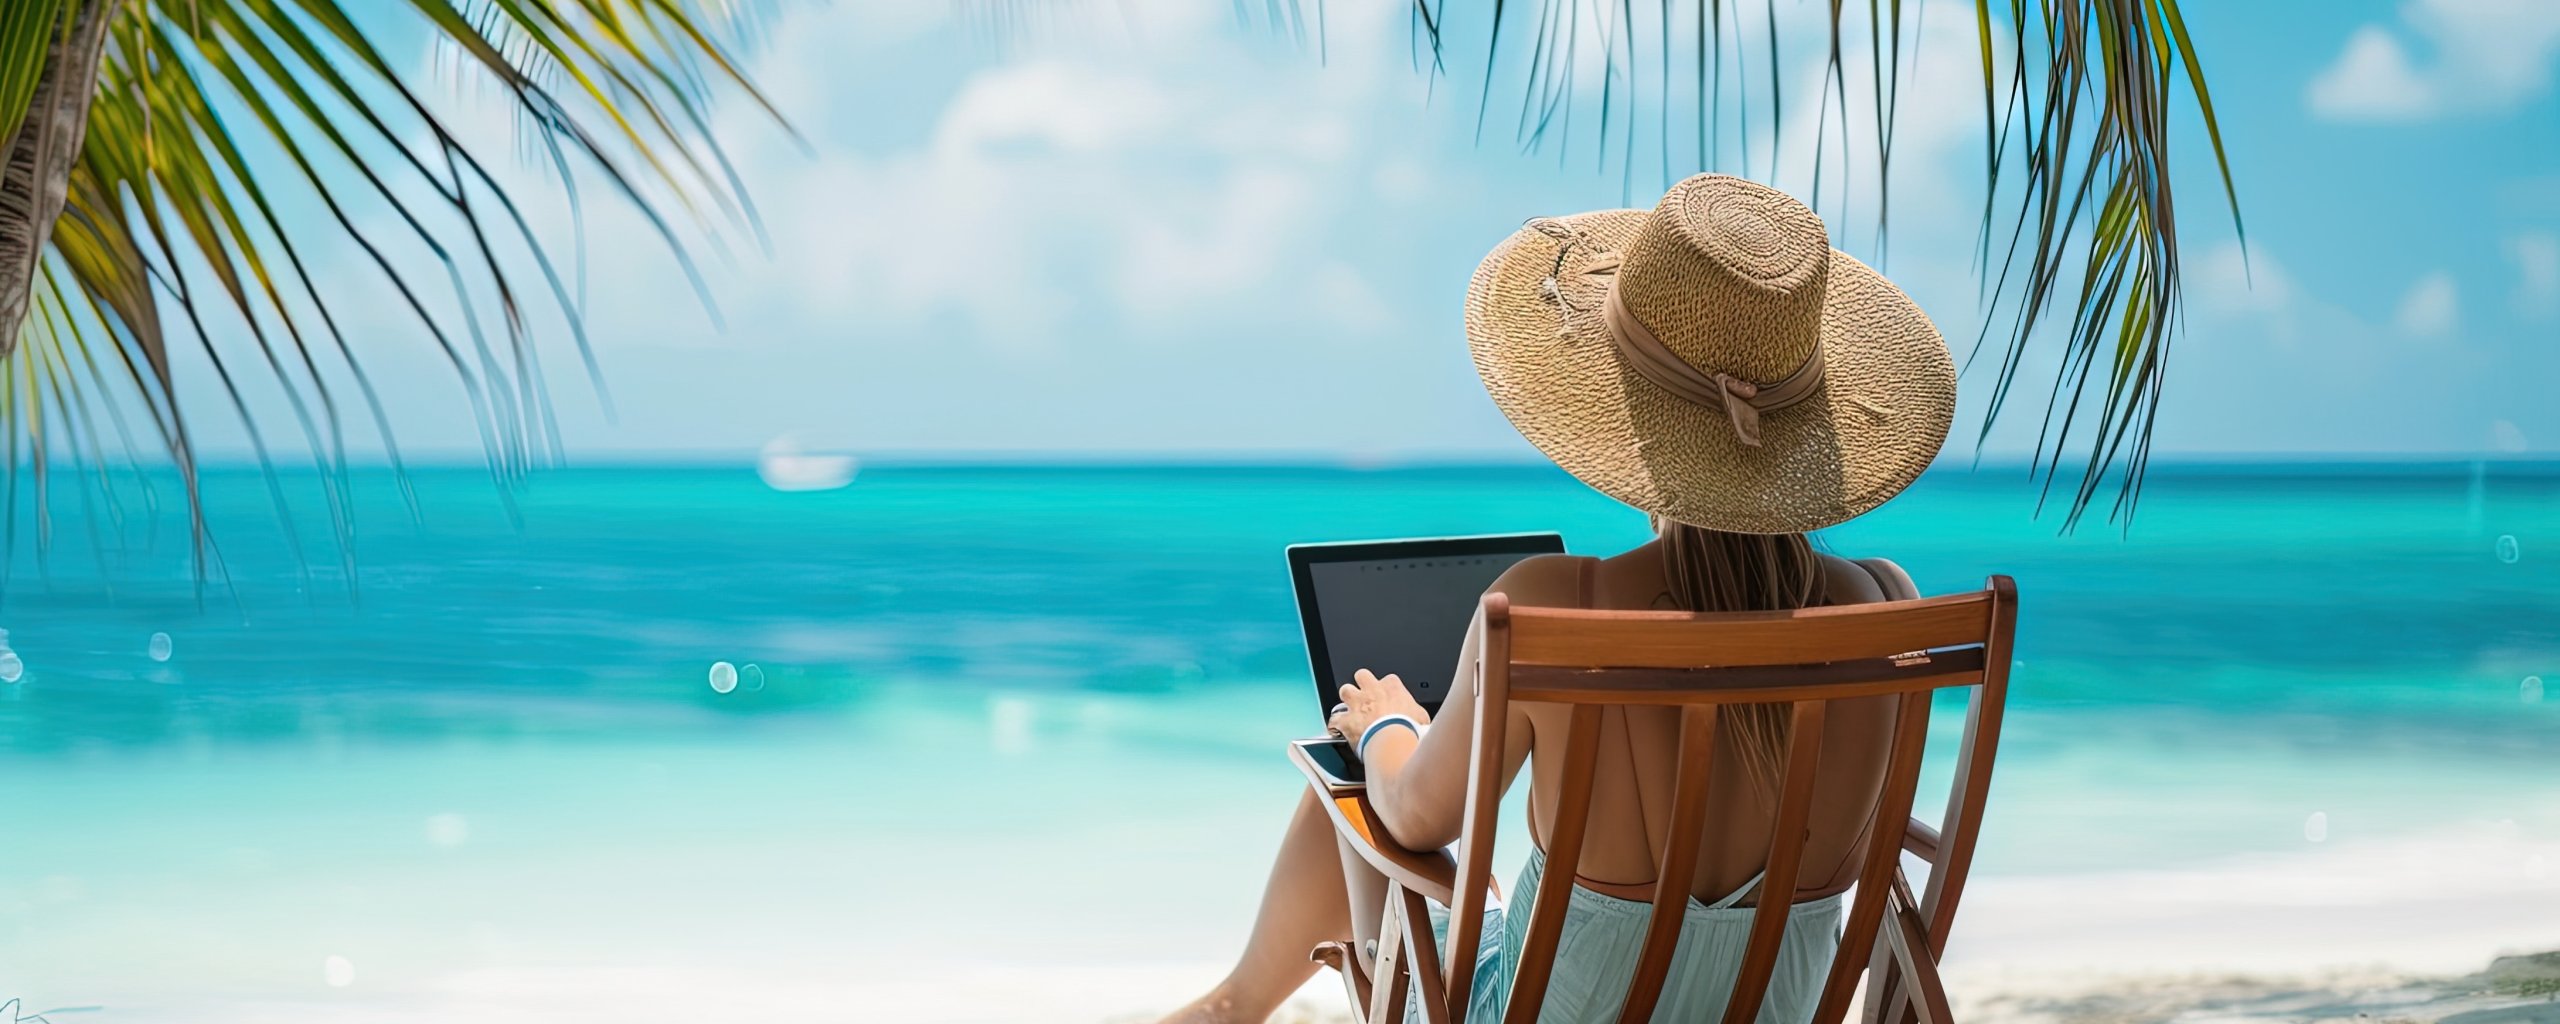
(1419, 784)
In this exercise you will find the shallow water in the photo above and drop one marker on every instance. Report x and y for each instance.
(1004, 706)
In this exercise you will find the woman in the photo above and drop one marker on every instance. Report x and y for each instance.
(1716, 364)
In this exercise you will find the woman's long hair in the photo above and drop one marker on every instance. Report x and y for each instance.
(1713, 571)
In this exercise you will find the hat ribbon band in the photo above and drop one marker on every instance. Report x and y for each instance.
(1742, 400)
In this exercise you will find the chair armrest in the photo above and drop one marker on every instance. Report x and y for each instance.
(1921, 840)
(1433, 874)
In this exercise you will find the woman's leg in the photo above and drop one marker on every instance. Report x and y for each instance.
(1303, 904)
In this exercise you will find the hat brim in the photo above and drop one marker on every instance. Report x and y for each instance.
(1886, 402)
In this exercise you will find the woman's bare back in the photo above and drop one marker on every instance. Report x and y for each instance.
(1632, 780)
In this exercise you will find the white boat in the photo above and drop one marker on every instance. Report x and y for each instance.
(785, 467)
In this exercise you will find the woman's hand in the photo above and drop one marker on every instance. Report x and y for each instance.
(1369, 698)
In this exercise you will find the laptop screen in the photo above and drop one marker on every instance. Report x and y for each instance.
(1398, 607)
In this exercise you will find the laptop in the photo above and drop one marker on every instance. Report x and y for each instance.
(1393, 606)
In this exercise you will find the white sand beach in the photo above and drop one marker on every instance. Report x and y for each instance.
(571, 902)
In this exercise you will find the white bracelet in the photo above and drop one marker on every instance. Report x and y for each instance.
(1371, 732)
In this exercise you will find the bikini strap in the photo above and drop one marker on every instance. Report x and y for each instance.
(1582, 589)
(1736, 896)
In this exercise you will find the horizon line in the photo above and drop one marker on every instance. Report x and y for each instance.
(1034, 459)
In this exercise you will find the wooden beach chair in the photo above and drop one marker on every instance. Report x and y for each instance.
(1589, 660)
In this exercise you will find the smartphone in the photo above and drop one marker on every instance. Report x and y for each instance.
(1334, 760)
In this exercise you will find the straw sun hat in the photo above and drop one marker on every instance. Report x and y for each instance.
(1713, 361)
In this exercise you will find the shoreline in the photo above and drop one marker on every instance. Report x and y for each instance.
(880, 904)
(2512, 989)
(2519, 988)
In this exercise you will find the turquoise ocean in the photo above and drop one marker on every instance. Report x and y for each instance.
(1033, 715)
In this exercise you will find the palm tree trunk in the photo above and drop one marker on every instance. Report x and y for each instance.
(37, 175)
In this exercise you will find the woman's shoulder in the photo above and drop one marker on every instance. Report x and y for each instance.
(1542, 580)
(1864, 580)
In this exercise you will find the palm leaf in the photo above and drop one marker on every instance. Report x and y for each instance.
(27, 28)
(2078, 150)
(208, 114)
(2076, 166)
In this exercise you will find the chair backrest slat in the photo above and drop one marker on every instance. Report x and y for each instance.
(1679, 862)
(1581, 638)
(1786, 854)
(1883, 855)
(1592, 660)
(1770, 684)
(1484, 799)
(1564, 855)
(1972, 786)
(1970, 792)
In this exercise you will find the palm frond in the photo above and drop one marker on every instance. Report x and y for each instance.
(27, 29)
(2077, 164)
(209, 117)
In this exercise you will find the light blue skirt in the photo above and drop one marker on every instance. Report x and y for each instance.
(1603, 935)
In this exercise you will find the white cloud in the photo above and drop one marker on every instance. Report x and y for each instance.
(2232, 279)
(1077, 185)
(2249, 287)
(1348, 299)
(2432, 309)
(1148, 171)
(1073, 108)
(1937, 127)
(2537, 258)
(1045, 243)
(1216, 244)
(2505, 436)
(2483, 56)
(2372, 80)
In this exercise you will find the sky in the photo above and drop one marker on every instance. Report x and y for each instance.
(1144, 230)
